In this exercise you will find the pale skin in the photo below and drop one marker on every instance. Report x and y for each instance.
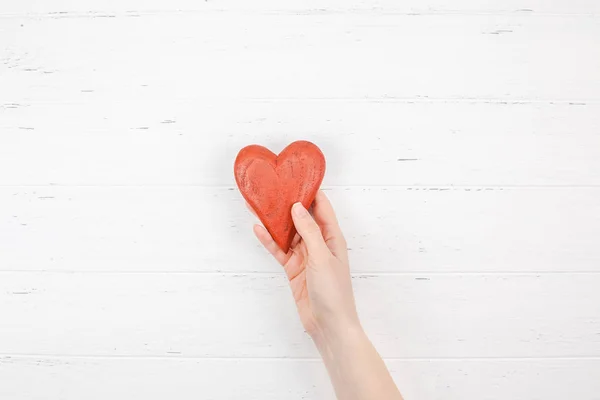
(319, 275)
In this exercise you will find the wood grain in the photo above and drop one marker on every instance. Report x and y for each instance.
(432, 144)
(253, 315)
(401, 229)
(157, 379)
(204, 58)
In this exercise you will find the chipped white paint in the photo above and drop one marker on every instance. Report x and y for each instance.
(426, 143)
(473, 218)
(251, 315)
(96, 378)
(389, 229)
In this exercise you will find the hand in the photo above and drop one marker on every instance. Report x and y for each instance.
(317, 269)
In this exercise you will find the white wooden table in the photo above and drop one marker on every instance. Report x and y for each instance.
(463, 148)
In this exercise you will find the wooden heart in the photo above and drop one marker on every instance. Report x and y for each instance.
(271, 184)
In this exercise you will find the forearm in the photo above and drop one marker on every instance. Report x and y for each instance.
(355, 368)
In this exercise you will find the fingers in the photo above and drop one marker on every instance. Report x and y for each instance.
(309, 230)
(325, 216)
(267, 241)
(320, 234)
(291, 263)
(326, 219)
(295, 241)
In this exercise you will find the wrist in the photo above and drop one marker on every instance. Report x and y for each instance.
(333, 340)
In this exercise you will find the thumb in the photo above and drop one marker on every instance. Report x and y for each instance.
(308, 229)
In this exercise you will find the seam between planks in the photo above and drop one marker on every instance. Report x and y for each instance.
(432, 187)
(296, 13)
(407, 100)
(309, 359)
(239, 274)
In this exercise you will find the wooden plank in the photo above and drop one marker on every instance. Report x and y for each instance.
(176, 229)
(397, 143)
(252, 315)
(198, 57)
(153, 379)
(65, 8)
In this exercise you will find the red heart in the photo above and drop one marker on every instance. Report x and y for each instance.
(271, 184)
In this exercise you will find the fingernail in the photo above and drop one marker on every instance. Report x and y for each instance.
(299, 210)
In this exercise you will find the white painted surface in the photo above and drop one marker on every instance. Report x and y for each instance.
(251, 315)
(462, 140)
(426, 143)
(388, 229)
(257, 379)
